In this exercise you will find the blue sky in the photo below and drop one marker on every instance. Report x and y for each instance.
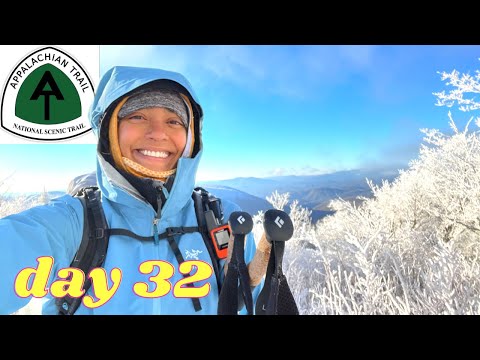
(281, 110)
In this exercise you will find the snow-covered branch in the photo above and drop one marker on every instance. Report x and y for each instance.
(463, 94)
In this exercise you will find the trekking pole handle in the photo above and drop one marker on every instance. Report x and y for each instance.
(277, 225)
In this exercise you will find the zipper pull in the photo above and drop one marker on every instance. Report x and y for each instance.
(155, 231)
(160, 199)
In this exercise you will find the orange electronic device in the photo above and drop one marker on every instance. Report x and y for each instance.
(220, 236)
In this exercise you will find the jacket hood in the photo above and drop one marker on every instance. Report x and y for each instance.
(117, 83)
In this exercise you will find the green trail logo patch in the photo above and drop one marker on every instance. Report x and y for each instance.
(47, 97)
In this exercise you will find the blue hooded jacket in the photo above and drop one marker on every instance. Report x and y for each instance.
(55, 229)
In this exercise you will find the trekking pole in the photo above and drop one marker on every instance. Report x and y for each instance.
(276, 297)
(241, 224)
(229, 253)
(257, 267)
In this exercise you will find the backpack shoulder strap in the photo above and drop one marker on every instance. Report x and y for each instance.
(93, 247)
(201, 199)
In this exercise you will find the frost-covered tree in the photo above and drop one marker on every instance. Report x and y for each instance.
(13, 204)
(464, 87)
(412, 248)
(44, 197)
(278, 201)
(10, 203)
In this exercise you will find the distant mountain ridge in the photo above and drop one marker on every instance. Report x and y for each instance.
(313, 192)
(341, 180)
(247, 202)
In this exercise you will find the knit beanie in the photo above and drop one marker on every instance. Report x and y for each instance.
(158, 98)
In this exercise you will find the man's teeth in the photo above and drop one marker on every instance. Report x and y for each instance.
(157, 154)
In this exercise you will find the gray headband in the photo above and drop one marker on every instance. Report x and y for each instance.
(158, 98)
